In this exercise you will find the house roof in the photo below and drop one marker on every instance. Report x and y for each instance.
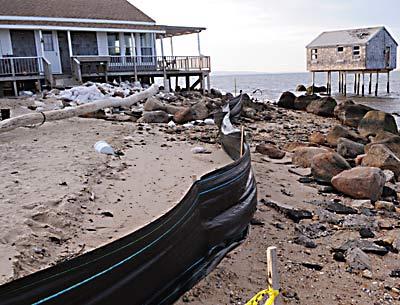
(117, 10)
(172, 31)
(346, 37)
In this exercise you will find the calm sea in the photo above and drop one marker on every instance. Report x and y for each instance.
(270, 87)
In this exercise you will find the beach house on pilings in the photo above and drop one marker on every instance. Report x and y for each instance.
(363, 51)
(65, 42)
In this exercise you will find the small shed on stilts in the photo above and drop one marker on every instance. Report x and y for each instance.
(355, 53)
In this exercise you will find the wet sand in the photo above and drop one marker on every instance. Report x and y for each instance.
(60, 198)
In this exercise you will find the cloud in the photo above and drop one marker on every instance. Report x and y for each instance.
(265, 35)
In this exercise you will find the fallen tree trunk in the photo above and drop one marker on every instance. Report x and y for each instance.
(54, 115)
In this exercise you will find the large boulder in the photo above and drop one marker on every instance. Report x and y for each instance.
(327, 165)
(389, 140)
(350, 114)
(323, 107)
(270, 150)
(200, 111)
(301, 102)
(361, 183)
(382, 157)
(316, 89)
(348, 148)
(171, 109)
(301, 88)
(287, 100)
(183, 116)
(338, 132)
(153, 104)
(375, 121)
(158, 116)
(303, 157)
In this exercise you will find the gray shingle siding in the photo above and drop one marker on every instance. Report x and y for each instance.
(376, 48)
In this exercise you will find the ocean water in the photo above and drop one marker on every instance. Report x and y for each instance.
(270, 87)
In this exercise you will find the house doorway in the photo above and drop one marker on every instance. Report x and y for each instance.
(51, 50)
(64, 52)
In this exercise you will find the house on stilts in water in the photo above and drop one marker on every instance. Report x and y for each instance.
(63, 43)
(370, 51)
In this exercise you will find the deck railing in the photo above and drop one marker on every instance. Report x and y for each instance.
(20, 66)
(157, 63)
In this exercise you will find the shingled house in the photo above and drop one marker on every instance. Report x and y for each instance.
(357, 51)
(58, 42)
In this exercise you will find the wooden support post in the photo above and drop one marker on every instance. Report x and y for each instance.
(313, 82)
(377, 83)
(327, 82)
(388, 82)
(358, 83)
(355, 83)
(345, 84)
(340, 81)
(187, 78)
(370, 84)
(362, 85)
(209, 83)
(273, 274)
(167, 88)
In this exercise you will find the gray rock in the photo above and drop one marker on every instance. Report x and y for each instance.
(301, 102)
(350, 114)
(349, 149)
(154, 117)
(305, 241)
(327, 165)
(375, 121)
(303, 156)
(287, 100)
(380, 156)
(153, 104)
(338, 132)
(358, 259)
(365, 245)
(323, 107)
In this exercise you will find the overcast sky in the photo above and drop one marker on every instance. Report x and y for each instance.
(265, 35)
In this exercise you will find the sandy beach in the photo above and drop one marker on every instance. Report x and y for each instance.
(60, 198)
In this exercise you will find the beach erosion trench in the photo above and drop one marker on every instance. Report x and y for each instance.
(159, 262)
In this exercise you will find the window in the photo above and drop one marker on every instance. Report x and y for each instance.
(128, 44)
(146, 47)
(48, 41)
(356, 51)
(340, 49)
(314, 54)
(113, 44)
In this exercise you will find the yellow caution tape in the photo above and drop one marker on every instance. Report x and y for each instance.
(261, 295)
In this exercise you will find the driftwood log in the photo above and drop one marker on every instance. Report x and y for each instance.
(54, 115)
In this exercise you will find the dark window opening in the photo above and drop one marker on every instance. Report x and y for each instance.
(314, 54)
(340, 49)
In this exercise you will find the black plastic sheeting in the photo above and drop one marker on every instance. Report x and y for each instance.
(161, 261)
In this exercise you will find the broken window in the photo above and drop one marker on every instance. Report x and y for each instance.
(356, 51)
(314, 54)
(113, 44)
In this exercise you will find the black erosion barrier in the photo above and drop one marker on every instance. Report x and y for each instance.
(161, 261)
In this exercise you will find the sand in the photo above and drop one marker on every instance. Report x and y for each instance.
(60, 198)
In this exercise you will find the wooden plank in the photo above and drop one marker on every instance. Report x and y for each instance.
(273, 273)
